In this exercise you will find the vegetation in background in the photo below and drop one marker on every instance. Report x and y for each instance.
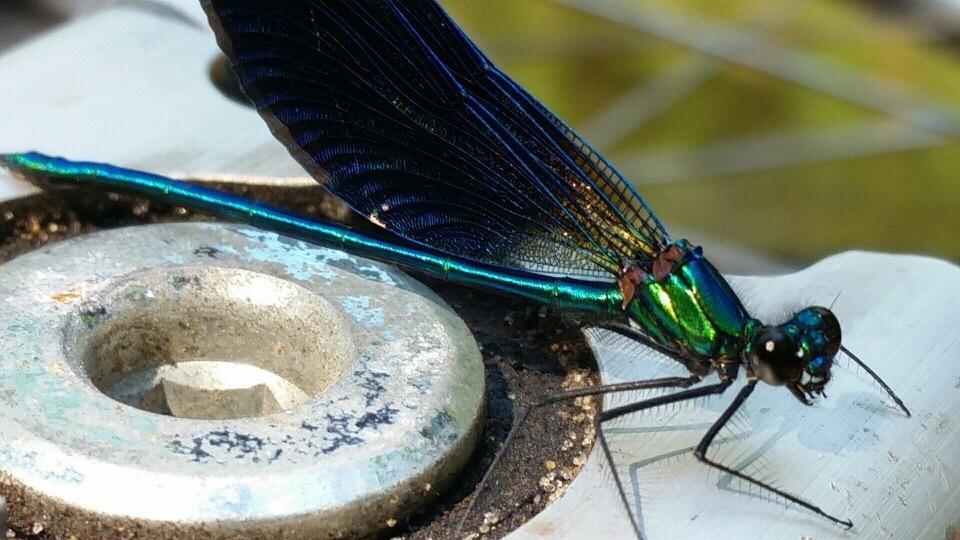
(902, 196)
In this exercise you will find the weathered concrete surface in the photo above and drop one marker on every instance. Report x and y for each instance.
(852, 453)
(379, 386)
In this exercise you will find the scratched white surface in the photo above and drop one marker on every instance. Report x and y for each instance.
(131, 85)
(852, 453)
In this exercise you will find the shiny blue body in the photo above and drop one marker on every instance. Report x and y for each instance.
(562, 292)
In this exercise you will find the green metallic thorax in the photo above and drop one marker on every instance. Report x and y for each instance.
(693, 309)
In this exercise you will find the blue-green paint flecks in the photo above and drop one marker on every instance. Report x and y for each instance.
(28, 460)
(236, 500)
(359, 307)
(297, 261)
(175, 259)
(307, 261)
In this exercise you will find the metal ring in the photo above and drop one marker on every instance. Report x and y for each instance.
(218, 380)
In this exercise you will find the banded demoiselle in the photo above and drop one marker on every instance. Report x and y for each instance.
(397, 112)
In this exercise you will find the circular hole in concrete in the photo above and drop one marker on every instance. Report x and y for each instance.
(209, 343)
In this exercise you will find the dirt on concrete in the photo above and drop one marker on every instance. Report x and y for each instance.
(530, 351)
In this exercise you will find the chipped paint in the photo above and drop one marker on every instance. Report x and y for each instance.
(278, 249)
(359, 307)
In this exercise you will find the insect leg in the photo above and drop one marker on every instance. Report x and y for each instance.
(692, 364)
(701, 454)
(643, 339)
(665, 382)
(606, 416)
(877, 378)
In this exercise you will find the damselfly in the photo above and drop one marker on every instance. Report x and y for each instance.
(396, 111)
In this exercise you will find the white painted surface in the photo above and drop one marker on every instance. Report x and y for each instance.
(852, 453)
(131, 86)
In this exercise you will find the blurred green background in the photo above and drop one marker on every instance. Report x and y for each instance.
(793, 128)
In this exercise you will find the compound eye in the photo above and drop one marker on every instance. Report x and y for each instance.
(775, 358)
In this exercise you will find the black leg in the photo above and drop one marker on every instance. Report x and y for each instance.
(877, 378)
(606, 416)
(701, 454)
(666, 382)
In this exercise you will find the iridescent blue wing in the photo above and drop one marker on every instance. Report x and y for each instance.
(398, 113)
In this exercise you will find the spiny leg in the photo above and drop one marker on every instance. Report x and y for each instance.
(665, 382)
(877, 378)
(603, 389)
(692, 365)
(606, 416)
(701, 454)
